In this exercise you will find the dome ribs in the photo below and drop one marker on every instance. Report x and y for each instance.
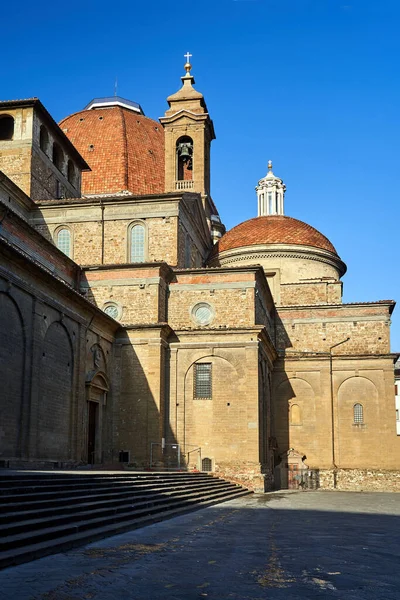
(125, 150)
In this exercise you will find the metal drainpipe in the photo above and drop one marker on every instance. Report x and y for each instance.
(332, 404)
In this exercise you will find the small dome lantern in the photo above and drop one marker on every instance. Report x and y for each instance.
(270, 194)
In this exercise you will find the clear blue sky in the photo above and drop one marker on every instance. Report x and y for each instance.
(311, 84)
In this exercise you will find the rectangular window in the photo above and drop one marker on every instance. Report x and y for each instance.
(202, 381)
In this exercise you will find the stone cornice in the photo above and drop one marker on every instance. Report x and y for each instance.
(279, 251)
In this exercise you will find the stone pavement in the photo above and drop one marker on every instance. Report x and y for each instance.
(283, 545)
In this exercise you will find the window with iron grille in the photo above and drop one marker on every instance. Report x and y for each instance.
(206, 464)
(137, 243)
(202, 381)
(358, 414)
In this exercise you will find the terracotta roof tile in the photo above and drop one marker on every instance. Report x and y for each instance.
(125, 150)
(276, 229)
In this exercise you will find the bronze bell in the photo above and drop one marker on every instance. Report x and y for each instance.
(185, 151)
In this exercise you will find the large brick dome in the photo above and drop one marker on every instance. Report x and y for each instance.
(124, 148)
(273, 229)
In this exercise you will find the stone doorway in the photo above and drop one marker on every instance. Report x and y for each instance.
(92, 426)
(97, 389)
(292, 472)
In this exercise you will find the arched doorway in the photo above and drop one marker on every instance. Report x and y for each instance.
(97, 389)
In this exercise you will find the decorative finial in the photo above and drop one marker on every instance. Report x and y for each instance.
(270, 165)
(188, 66)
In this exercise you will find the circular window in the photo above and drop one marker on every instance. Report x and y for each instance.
(203, 313)
(112, 310)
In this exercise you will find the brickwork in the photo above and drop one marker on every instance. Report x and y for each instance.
(85, 224)
(140, 292)
(233, 305)
(321, 292)
(316, 329)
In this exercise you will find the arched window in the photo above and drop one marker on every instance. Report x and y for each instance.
(6, 127)
(358, 414)
(63, 240)
(71, 172)
(58, 156)
(184, 158)
(44, 139)
(137, 243)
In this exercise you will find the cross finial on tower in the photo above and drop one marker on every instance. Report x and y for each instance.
(188, 66)
(270, 165)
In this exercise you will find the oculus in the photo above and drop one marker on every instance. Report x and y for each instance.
(202, 313)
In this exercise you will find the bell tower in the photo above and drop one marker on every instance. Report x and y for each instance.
(188, 135)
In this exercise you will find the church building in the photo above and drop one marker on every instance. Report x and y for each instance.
(135, 332)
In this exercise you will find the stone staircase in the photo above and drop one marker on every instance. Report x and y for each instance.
(43, 513)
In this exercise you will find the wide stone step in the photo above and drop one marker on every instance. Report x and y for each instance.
(33, 519)
(42, 514)
(19, 508)
(32, 550)
(31, 494)
(74, 526)
(81, 483)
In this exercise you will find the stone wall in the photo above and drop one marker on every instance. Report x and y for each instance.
(360, 480)
(44, 332)
(316, 329)
(303, 411)
(138, 291)
(139, 381)
(101, 228)
(317, 292)
(230, 295)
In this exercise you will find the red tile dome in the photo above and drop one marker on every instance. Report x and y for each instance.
(276, 229)
(124, 149)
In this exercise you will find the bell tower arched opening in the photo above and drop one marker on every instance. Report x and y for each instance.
(184, 158)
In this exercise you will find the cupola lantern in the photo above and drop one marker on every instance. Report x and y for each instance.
(270, 194)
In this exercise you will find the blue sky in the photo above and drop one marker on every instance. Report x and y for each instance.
(311, 84)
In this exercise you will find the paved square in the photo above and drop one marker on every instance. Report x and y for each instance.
(280, 546)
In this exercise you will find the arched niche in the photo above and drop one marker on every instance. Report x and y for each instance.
(358, 442)
(294, 414)
(12, 353)
(213, 421)
(56, 392)
(357, 390)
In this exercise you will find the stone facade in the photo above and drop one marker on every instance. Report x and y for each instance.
(239, 357)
